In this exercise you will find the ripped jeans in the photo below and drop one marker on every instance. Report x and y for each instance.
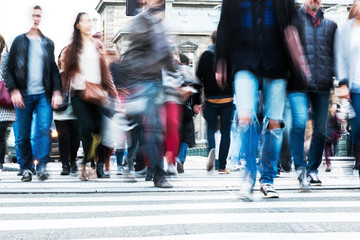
(246, 86)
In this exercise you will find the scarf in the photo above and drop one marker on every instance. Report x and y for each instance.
(315, 17)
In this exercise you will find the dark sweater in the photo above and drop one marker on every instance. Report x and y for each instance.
(250, 35)
(206, 74)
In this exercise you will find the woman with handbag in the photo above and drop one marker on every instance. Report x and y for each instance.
(67, 128)
(7, 114)
(88, 76)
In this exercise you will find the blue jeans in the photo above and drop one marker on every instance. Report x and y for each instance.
(355, 122)
(299, 109)
(246, 87)
(41, 106)
(183, 152)
(211, 112)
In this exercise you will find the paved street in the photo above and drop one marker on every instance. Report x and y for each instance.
(200, 206)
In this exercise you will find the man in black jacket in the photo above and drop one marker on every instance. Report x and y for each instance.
(318, 38)
(251, 42)
(218, 102)
(33, 80)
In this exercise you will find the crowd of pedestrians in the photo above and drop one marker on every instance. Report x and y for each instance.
(264, 55)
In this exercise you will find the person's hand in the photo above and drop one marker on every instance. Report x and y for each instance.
(197, 108)
(343, 92)
(57, 99)
(221, 74)
(17, 99)
(185, 93)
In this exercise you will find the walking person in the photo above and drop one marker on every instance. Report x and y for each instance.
(142, 64)
(33, 80)
(68, 130)
(85, 70)
(333, 135)
(318, 40)
(218, 103)
(348, 70)
(251, 50)
(7, 115)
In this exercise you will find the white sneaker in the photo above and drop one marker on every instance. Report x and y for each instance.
(171, 171)
(120, 170)
(268, 190)
(246, 192)
(303, 181)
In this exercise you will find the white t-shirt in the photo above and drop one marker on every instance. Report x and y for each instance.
(355, 52)
(89, 67)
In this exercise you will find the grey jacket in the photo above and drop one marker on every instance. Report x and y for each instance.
(346, 59)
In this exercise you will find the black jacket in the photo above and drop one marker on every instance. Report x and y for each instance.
(206, 74)
(255, 48)
(16, 70)
(318, 43)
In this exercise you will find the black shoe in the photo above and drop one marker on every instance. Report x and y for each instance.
(42, 175)
(163, 183)
(313, 179)
(65, 171)
(74, 170)
(149, 174)
(20, 172)
(27, 176)
(100, 171)
(179, 167)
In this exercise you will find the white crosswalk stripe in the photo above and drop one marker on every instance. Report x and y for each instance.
(172, 216)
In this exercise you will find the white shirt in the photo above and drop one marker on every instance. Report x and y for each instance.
(355, 52)
(89, 67)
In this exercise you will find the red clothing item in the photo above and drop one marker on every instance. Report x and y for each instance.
(172, 126)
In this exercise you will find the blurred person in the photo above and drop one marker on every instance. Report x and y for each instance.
(318, 41)
(173, 115)
(68, 129)
(333, 135)
(85, 66)
(187, 132)
(348, 71)
(251, 49)
(142, 64)
(33, 80)
(7, 115)
(218, 102)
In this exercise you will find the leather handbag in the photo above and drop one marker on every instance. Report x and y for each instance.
(95, 94)
(5, 98)
(64, 105)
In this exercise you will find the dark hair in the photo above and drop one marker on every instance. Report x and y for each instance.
(213, 36)
(71, 61)
(2, 45)
(184, 59)
(37, 7)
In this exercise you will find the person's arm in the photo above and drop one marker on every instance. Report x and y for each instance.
(222, 43)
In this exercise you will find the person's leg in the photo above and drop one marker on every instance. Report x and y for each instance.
(183, 152)
(210, 115)
(3, 130)
(23, 129)
(285, 152)
(274, 91)
(226, 114)
(355, 129)
(64, 142)
(246, 87)
(74, 131)
(299, 113)
(320, 109)
(173, 117)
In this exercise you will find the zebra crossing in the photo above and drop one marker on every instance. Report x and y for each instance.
(181, 215)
